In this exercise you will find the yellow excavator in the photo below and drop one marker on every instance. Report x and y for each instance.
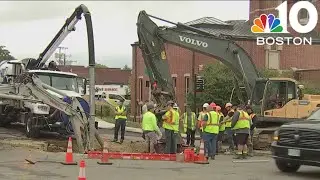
(275, 100)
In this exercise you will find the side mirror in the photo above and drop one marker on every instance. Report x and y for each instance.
(85, 82)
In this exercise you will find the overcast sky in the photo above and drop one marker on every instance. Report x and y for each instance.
(26, 28)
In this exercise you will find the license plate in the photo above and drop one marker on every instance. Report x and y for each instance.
(294, 152)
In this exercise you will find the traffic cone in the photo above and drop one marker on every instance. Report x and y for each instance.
(69, 156)
(82, 171)
(104, 156)
(202, 159)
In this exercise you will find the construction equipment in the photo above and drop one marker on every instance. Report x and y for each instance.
(274, 100)
(26, 99)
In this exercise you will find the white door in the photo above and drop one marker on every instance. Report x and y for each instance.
(273, 60)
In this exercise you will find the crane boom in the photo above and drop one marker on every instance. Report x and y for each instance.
(66, 29)
(152, 39)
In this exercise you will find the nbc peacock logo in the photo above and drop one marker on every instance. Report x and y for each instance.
(266, 24)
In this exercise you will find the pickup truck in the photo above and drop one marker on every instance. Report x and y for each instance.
(297, 143)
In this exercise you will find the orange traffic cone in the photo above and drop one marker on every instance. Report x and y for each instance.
(82, 171)
(104, 156)
(202, 159)
(69, 156)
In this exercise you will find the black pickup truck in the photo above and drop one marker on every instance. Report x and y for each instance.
(297, 143)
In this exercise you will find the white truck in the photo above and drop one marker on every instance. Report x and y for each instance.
(46, 99)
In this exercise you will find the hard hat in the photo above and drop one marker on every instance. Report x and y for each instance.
(175, 106)
(205, 105)
(228, 105)
(150, 105)
(218, 108)
(170, 103)
(213, 105)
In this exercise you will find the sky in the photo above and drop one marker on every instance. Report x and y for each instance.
(27, 27)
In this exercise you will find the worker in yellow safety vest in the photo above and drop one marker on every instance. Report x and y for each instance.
(151, 131)
(171, 127)
(221, 129)
(121, 118)
(201, 117)
(210, 131)
(252, 129)
(189, 125)
(228, 129)
(241, 123)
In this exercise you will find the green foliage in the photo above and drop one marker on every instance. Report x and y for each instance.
(103, 110)
(101, 66)
(5, 54)
(218, 86)
(126, 67)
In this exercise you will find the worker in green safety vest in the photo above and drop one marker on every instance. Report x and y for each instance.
(210, 131)
(151, 131)
(241, 123)
(171, 127)
(121, 118)
(222, 128)
(189, 125)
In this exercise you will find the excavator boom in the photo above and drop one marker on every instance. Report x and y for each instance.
(152, 39)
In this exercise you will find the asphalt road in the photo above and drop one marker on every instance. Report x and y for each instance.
(13, 167)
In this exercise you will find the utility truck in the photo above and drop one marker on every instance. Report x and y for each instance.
(43, 98)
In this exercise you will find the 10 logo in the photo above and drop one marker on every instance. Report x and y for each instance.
(293, 16)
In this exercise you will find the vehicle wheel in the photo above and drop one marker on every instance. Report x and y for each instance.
(31, 130)
(286, 166)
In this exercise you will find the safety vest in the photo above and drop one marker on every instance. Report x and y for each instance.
(172, 123)
(223, 125)
(149, 121)
(212, 125)
(120, 111)
(228, 121)
(243, 121)
(185, 121)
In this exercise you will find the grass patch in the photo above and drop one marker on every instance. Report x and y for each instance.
(129, 123)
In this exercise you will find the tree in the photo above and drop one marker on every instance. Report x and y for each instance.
(5, 54)
(101, 66)
(218, 87)
(126, 67)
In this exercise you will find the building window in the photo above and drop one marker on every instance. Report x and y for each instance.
(187, 84)
(140, 88)
(147, 84)
(174, 83)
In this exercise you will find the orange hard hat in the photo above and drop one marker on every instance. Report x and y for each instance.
(218, 108)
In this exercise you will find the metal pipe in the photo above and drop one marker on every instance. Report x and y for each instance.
(18, 97)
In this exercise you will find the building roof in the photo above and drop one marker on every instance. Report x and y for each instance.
(239, 29)
(103, 75)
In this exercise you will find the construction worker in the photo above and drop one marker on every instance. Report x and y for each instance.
(151, 131)
(201, 117)
(121, 118)
(221, 129)
(228, 129)
(189, 125)
(252, 129)
(171, 126)
(241, 123)
(210, 131)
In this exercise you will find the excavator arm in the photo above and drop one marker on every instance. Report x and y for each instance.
(66, 29)
(31, 89)
(152, 39)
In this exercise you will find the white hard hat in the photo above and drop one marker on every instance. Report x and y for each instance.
(228, 105)
(175, 105)
(205, 105)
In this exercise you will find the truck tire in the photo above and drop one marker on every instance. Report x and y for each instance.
(286, 166)
(31, 130)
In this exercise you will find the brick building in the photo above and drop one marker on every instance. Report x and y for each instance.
(272, 57)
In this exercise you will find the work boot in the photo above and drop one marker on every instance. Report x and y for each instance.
(245, 155)
(121, 141)
(114, 140)
(212, 157)
(238, 156)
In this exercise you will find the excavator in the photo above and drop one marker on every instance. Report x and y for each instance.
(275, 100)
(27, 98)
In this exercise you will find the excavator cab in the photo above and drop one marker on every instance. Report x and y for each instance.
(276, 98)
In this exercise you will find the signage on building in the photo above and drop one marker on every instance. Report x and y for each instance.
(272, 24)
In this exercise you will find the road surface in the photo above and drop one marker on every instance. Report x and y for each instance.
(13, 167)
